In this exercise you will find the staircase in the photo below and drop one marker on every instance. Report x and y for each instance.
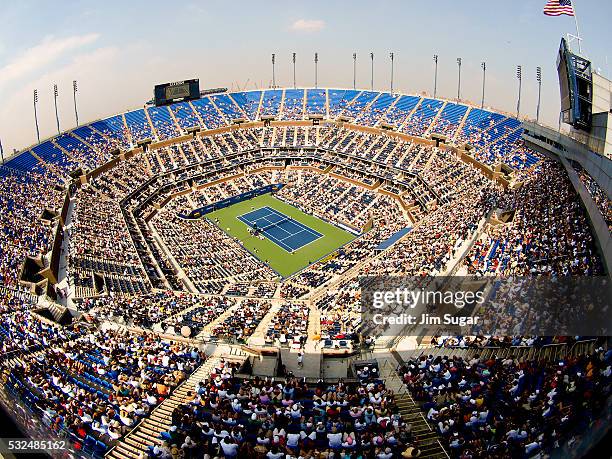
(461, 124)
(126, 130)
(151, 123)
(198, 116)
(258, 112)
(177, 125)
(58, 312)
(281, 107)
(147, 432)
(382, 118)
(67, 153)
(549, 352)
(238, 107)
(221, 113)
(427, 438)
(86, 142)
(407, 119)
(46, 165)
(433, 123)
(258, 337)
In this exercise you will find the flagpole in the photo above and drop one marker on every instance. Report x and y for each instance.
(577, 29)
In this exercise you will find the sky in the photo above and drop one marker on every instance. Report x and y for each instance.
(118, 50)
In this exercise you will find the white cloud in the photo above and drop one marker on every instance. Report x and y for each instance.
(308, 25)
(40, 56)
(196, 9)
(100, 92)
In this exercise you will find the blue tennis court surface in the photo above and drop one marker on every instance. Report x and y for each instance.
(284, 231)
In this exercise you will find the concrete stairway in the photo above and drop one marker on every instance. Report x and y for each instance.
(427, 437)
(147, 432)
(258, 337)
(521, 353)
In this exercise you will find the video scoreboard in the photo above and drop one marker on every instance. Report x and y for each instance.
(576, 88)
(173, 92)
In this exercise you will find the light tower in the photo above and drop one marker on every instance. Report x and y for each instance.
(354, 70)
(372, 79)
(36, 115)
(273, 73)
(74, 91)
(435, 58)
(539, 78)
(391, 56)
(519, 76)
(294, 85)
(55, 94)
(459, 80)
(484, 78)
(316, 62)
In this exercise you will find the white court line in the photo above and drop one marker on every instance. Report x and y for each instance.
(300, 224)
(256, 210)
(305, 245)
(292, 234)
(250, 221)
(260, 222)
(303, 228)
(279, 241)
(269, 236)
(283, 230)
(308, 243)
(311, 231)
(265, 217)
(284, 218)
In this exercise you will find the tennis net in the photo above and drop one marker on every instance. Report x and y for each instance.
(272, 225)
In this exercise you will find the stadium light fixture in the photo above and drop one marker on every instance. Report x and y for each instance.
(1, 152)
(316, 62)
(74, 91)
(459, 80)
(55, 94)
(519, 76)
(372, 79)
(354, 70)
(391, 56)
(36, 115)
(273, 73)
(484, 78)
(294, 85)
(539, 78)
(435, 58)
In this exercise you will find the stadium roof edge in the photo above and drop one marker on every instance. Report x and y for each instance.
(423, 94)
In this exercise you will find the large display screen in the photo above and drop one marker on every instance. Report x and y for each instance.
(575, 88)
(564, 86)
(177, 91)
(172, 92)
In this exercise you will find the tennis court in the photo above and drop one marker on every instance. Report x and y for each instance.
(267, 249)
(284, 231)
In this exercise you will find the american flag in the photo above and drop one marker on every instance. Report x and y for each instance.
(559, 7)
